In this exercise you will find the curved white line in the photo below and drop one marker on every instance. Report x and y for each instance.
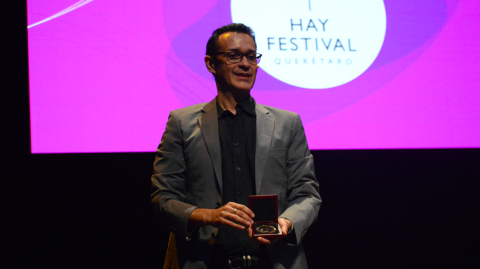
(63, 12)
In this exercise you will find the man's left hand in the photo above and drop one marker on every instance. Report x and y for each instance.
(285, 226)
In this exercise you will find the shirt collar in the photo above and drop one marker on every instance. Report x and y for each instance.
(248, 105)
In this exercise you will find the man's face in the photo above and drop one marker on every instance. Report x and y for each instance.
(235, 76)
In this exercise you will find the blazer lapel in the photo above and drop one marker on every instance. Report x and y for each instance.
(265, 124)
(208, 122)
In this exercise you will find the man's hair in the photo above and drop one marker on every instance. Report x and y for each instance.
(212, 44)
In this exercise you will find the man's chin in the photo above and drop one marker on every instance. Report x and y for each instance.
(244, 86)
(243, 89)
(237, 86)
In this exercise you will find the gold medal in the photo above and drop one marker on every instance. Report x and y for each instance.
(266, 229)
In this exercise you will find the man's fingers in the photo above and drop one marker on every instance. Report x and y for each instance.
(285, 225)
(262, 240)
(227, 222)
(235, 218)
(247, 211)
(239, 210)
(242, 208)
(244, 216)
(241, 220)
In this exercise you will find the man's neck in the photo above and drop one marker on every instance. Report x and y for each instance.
(228, 100)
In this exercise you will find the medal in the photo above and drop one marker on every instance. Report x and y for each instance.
(266, 229)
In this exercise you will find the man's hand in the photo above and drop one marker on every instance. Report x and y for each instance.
(285, 226)
(232, 214)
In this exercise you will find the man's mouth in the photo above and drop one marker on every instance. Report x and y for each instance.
(243, 75)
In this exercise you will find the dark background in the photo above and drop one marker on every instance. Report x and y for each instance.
(382, 208)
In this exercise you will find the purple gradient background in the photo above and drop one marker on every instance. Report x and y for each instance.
(104, 77)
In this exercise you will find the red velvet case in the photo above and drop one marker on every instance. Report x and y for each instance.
(265, 208)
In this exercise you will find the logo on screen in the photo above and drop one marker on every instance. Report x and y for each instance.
(315, 44)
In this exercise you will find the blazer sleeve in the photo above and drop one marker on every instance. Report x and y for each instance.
(168, 190)
(303, 190)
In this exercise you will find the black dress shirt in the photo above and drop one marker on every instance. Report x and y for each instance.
(238, 141)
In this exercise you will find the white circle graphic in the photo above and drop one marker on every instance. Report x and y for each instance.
(315, 44)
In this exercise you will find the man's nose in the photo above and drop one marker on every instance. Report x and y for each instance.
(244, 62)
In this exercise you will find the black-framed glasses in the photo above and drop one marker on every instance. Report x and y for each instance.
(236, 56)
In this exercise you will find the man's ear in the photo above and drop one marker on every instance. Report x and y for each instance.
(210, 65)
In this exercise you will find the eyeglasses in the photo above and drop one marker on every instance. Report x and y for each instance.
(236, 57)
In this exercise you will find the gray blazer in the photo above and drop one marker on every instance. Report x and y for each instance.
(187, 175)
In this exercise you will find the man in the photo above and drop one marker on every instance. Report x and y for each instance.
(213, 156)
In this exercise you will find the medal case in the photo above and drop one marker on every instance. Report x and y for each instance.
(265, 208)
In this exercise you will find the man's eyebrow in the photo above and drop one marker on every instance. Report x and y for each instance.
(237, 50)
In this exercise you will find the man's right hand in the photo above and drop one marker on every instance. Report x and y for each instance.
(232, 214)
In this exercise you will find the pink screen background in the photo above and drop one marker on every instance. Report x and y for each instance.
(105, 74)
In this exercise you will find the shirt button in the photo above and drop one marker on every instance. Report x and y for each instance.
(238, 168)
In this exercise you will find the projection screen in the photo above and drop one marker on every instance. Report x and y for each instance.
(104, 74)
